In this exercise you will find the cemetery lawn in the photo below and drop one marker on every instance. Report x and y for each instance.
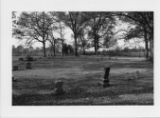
(131, 81)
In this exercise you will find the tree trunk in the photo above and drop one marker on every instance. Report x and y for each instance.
(96, 45)
(76, 47)
(151, 55)
(151, 51)
(54, 48)
(44, 49)
(147, 49)
(146, 44)
(62, 47)
(84, 52)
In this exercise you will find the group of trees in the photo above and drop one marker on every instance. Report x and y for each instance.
(90, 29)
(144, 29)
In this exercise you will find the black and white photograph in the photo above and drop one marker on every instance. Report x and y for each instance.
(79, 58)
(82, 58)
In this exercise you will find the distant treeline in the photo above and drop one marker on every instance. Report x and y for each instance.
(21, 51)
(121, 52)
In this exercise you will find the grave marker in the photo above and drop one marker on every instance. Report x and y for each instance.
(59, 88)
(106, 77)
(15, 68)
(28, 65)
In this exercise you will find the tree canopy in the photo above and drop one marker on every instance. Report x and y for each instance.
(96, 29)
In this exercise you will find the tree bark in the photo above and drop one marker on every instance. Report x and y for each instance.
(44, 49)
(151, 51)
(76, 47)
(62, 47)
(146, 44)
(84, 52)
(54, 48)
(151, 56)
(96, 45)
(147, 49)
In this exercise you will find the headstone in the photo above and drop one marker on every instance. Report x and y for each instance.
(15, 68)
(13, 79)
(29, 58)
(20, 59)
(106, 77)
(137, 72)
(59, 88)
(28, 65)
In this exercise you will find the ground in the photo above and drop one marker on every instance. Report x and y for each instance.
(131, 81)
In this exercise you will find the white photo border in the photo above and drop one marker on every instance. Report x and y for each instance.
(9, 111)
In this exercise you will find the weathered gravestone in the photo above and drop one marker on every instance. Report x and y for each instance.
(28, 65)
(59, 88)
(15, 68)
(14, 79)
(29, 58)
(106, 77)
(21, 59)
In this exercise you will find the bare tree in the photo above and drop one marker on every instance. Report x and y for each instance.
(144, 22)
(34, 27)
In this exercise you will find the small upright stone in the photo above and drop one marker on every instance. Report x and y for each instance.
(13, 79)
(59, 88)
(106, 77)
(28, 65)
(29, 58)
(21, 59)
(15, 68)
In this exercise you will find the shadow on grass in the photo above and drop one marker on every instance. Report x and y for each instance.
(89, 88)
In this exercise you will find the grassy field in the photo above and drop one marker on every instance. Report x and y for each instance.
(131, 81)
